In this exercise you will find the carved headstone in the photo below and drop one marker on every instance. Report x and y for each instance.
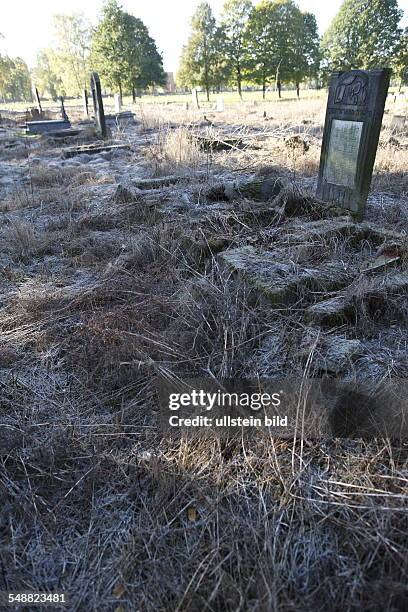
(100, 123)
(354, 114)
(85, 103)
(117, 102)
(194, 98)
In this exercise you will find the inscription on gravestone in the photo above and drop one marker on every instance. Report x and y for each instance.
(354, 114)
(100, 123)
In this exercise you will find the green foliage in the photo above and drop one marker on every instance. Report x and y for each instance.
(234, 24)
(305, 60)
(400, 60)
(15, 81)
(71, 55)
(364, 34)
(200, 60)
(283, 43)
(123, 52)
(46, 74)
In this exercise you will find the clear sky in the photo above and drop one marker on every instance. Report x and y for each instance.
(27, 24)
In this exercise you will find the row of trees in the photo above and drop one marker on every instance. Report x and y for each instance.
(14, 78)
(274, 42)
(119, 48)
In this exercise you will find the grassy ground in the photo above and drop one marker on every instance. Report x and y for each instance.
(230, 97)
(100, 296)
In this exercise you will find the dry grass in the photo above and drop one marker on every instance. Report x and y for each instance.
(99, 301)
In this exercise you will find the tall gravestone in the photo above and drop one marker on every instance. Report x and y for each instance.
(100, 123)
(354, 114)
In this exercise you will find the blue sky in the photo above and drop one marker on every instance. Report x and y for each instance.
(26, 24)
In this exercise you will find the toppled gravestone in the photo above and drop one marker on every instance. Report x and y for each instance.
(367, 293)
(47, 127)
(258, 189)
(332, 354)
(92, 149)
(283, 282)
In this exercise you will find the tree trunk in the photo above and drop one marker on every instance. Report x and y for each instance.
(263, 89)
(133, 94)
(239, 82)
(279, 86)
(120, 89)
(297, 89)
(207, 89)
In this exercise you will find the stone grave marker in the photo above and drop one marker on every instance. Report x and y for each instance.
(63, 112)
(194, 97)
(354, 114)
(37, 99)
(100, 122)
(85, 103)
(398, 123)
(117, 102)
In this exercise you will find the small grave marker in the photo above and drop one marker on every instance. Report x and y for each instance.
(85, 103)
(63, 112)
(194, 97)
(398, 123)
(37, 99)
(117, 102)
(100, 123)
(354, 114)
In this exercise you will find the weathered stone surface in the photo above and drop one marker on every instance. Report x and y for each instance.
(343, 308)
(258, 189)
(217, 143)
(331, 312)
(354, 113)
(100, 123)
(92, 149)
(334, 354)
(47, 127)
(323, 229)
(282, 281)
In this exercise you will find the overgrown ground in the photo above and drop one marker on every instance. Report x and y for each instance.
(104, 290)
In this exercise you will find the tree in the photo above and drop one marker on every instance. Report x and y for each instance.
(364, 34)
(235, 19)
(123, 52)
(200, 55)
(46, 74)
(73, 34)
(306, 56)
(15, 83)
(272, 35)
(400, 62)
(146, 64)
